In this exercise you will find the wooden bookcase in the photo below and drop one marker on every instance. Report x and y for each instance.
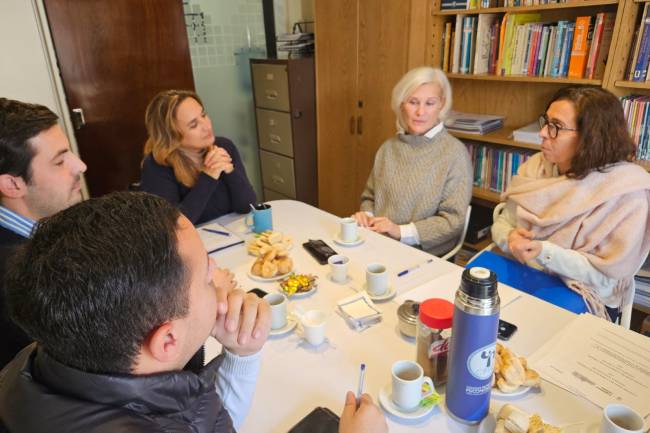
(521, 98)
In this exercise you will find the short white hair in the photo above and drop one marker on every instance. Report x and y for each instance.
(411, 81)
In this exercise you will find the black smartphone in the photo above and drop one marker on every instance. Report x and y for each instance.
(319, 420)
(259, 292)
(319, 250)
(506, 329)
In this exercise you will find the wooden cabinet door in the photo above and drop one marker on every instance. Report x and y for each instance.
(114, 56)
(383, 59)
(336, 98)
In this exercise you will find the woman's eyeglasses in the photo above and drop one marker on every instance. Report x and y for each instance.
(553, 128)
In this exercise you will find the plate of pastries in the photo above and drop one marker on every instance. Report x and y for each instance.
(512, 374)
(274, 265)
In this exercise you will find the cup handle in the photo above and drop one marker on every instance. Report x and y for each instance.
(250, 224)
(427, 390)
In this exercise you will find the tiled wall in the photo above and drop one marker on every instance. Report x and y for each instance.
(215, 39)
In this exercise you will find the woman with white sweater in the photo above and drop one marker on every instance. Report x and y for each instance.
(421, 182)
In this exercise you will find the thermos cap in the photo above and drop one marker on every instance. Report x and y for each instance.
(480, 283)
(437, 313)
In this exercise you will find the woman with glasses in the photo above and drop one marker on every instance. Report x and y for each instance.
(580, 207)
(186, 164)
(421, 181)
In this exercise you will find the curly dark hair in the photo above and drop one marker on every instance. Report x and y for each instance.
(602, 130)
(97, 278)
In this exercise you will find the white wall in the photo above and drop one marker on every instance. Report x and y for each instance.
(27, 70)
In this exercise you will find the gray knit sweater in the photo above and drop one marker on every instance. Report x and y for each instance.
(424, 181)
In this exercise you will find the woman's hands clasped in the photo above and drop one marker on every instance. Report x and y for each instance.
(217, 161)
(522, 245)
(378, 224)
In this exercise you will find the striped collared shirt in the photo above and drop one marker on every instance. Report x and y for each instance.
(16, 223)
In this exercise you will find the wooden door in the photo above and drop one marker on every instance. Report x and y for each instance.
(383, 59)
(114, 56)
(336, 98)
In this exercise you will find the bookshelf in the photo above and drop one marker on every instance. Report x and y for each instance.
(522, 98)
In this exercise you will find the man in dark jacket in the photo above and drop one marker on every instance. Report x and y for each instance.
(39, 176)
(119, 294)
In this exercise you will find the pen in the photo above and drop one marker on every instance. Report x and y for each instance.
(414, 268)
(362, 379)
(219, 232)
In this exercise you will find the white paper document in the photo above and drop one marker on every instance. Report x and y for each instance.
(216, 237)
(599, 361)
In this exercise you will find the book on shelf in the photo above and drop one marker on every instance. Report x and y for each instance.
(528, 133)
(458, 36)
(636, 109)
(484, 42)
(446, 47)
(643, 54)
(494, 167)
(579, 48)
(471, 123)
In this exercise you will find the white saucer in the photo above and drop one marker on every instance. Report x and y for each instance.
(291, 324)
(347, 279)
(390, 292)
(270, 279)
(496, 392)
(299, 294)
(387, 403)
(341, 242)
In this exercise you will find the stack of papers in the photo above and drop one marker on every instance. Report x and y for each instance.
(528, 133)
(599, 361)
(470, 123)
(642, 283)
(216, 237)
(359, 311)
(296, 44)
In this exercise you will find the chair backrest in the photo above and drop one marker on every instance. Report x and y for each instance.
(461, 240)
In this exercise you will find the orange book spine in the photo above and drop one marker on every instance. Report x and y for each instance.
(578, 60)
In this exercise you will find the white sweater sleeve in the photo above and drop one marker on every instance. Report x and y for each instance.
(503, 225)
(571, 264)
(236, 379)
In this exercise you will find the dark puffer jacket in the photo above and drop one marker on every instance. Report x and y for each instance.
(39, 394)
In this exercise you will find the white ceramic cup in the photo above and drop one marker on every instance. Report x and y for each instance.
(348, 230)
(278, 303)
(339, 268)
(313, 324)
(376, 279)
(618, 418)
(407, 379)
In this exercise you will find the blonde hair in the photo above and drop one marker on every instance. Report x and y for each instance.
(164, 139)
(411, 81)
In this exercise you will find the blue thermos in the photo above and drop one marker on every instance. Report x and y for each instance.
(472, 346)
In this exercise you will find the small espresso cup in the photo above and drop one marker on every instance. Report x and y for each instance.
(348, 230)
(313, 325)
(618, 418)
(407, 379)
(260, 219)
(376, 279)
(339, 268)
(278, 303)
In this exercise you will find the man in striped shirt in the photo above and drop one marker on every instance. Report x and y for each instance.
(39, 176)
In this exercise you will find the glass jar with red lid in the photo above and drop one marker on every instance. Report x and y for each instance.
(433, 332)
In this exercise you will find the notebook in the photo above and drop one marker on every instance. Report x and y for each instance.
(216, 237)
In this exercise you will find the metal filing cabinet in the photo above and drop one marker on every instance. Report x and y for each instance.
(285, 110)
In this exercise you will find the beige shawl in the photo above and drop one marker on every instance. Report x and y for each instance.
(604, 216)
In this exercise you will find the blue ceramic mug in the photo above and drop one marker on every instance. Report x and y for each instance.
(262, 219)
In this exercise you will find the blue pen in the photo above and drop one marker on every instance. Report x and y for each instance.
(219, 232)
(414, 268)
(362, 379)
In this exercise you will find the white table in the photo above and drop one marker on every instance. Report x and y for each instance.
(296, 378)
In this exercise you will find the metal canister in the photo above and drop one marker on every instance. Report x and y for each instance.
(473, 346)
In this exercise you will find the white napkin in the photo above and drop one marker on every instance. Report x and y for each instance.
(359, 311)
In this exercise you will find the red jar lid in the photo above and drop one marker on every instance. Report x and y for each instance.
(436, 313)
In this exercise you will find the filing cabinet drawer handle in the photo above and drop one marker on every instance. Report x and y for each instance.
(271, 94)
(277, 179)
(275, 139)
